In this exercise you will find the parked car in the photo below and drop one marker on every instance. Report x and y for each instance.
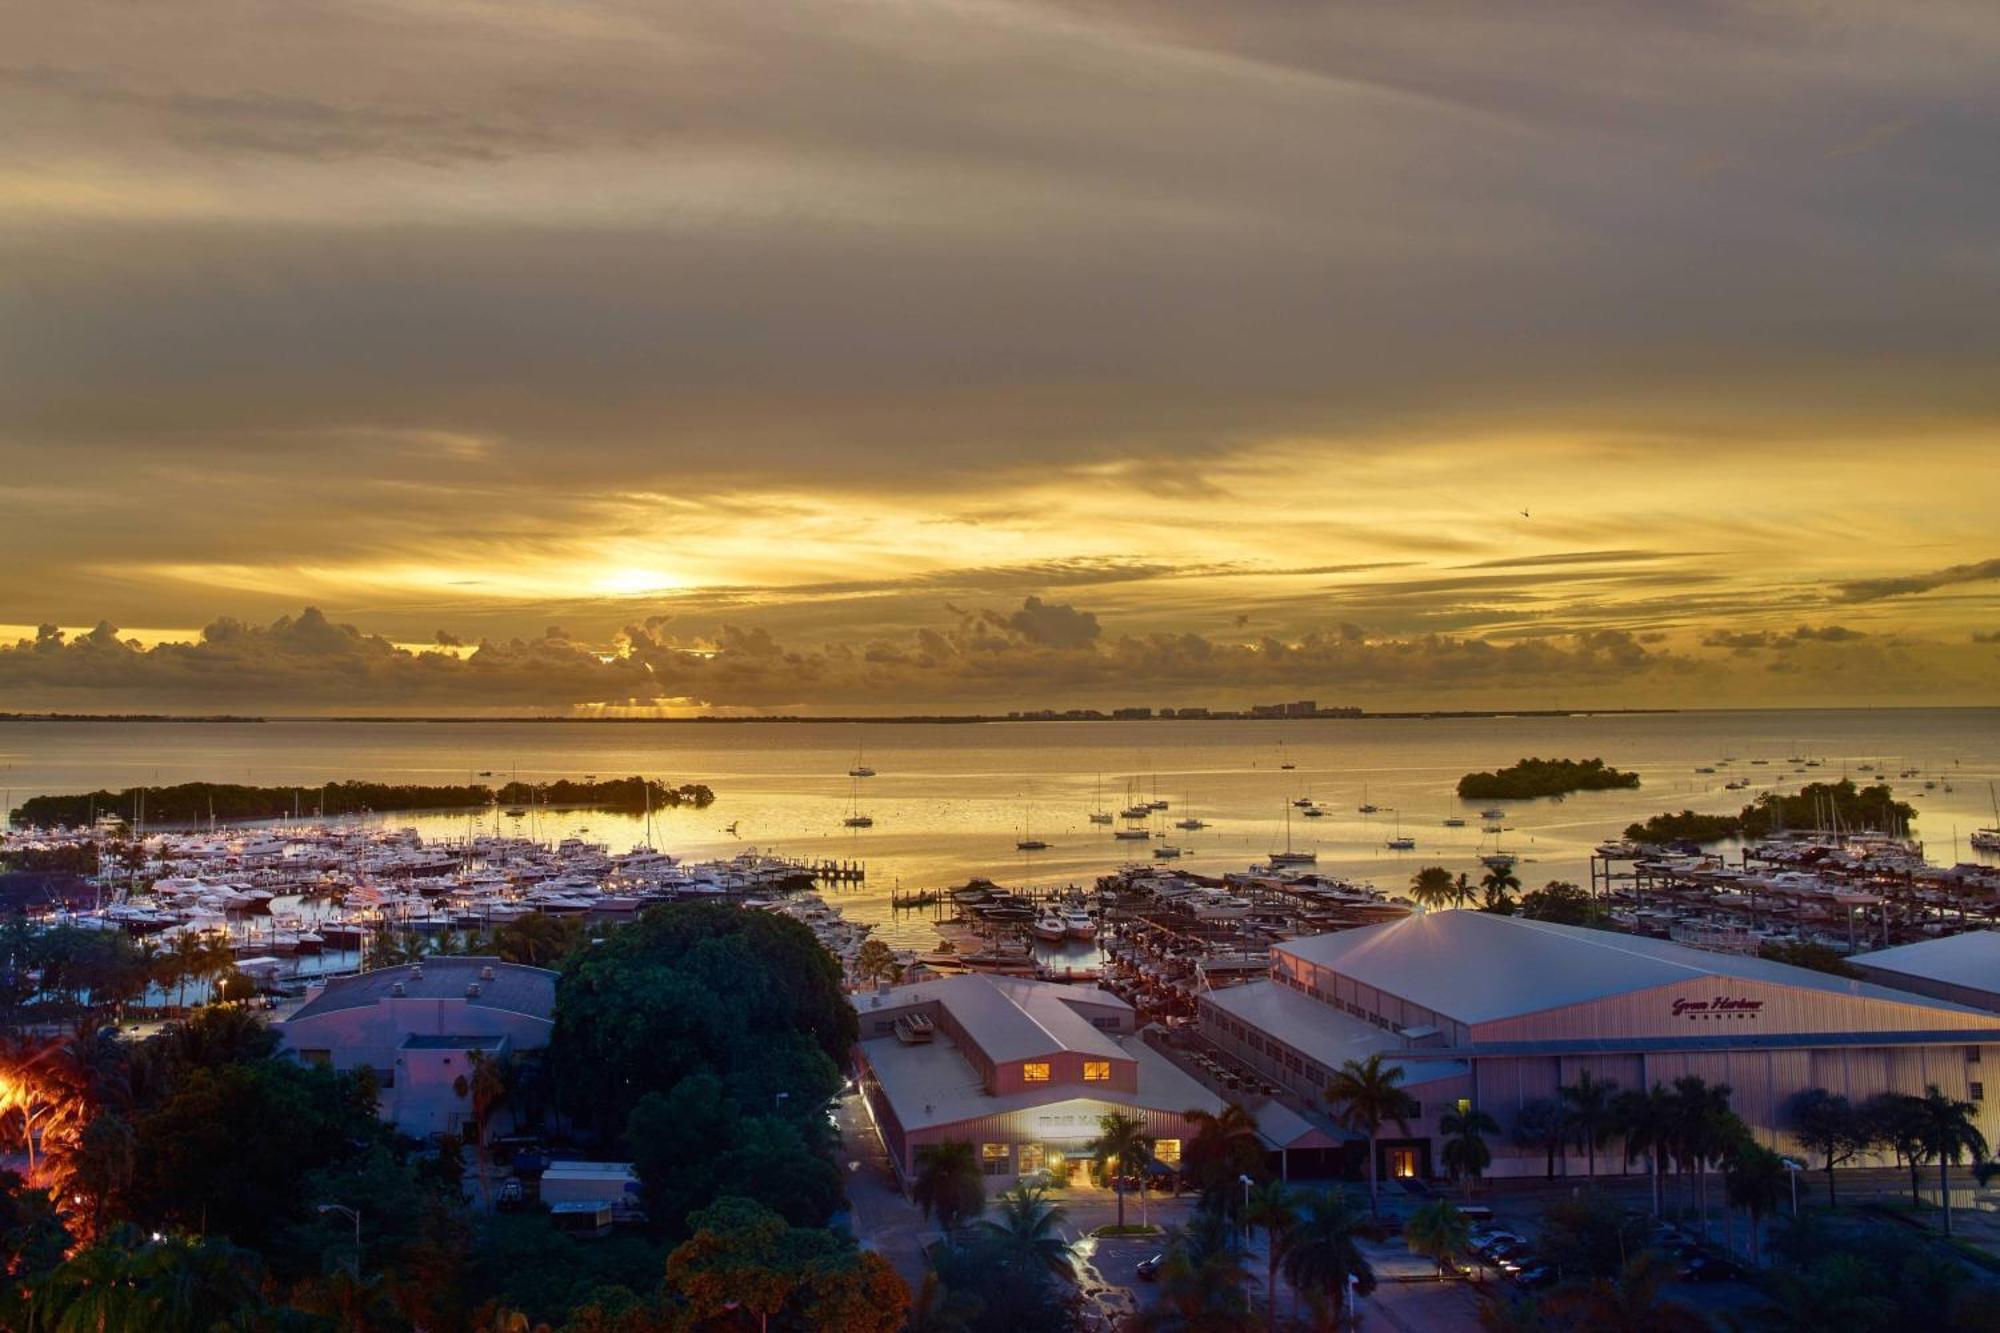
(1541, 1275)
(1149, 1269)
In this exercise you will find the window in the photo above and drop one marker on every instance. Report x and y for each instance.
(1972, 1055)
(1978, 1091)
(1096, 1071)
(1031, 1157)
(1167, 1152)
(1464, 1105)
(1035, 1071)
(995, 1158)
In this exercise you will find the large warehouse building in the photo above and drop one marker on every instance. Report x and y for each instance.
(1024, 1070)
(1499, 1012)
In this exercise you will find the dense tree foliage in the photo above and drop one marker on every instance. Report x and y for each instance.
(1563, 903)
(197, 802)
(1817, 805)
(1527, 778)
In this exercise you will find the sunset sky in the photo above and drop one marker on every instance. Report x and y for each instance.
(881, 355)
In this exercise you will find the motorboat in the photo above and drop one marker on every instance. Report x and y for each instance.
(1077, 924)
(1049, 927)
(1166, 851)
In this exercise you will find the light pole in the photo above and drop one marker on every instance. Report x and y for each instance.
(1246, 1182)
(354, 1213)
(1792, 1169)
(779, 1099)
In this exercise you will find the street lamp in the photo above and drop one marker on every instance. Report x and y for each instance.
(1246, 1182)
(355, 1213)
(779, 1099)
(1792, 1168)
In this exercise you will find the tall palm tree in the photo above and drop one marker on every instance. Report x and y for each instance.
(1701, 1131)
(1542, 1124)
(1122, 1145)
(1027, 1226)
(1498, 883)
(1324, 1251)
(1462, 894)
(1648, 1119)
(1437, 1231)
(1466, 1155)
(1631, 1303)
(1365, 1096)
(1754, 1179)
(1225, 1145)
(1431, 887)
(1946, 1129)
(1274, 1210)
(948, 1184)
(1589, 1103)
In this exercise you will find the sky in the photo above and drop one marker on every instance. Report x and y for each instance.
(898, 355)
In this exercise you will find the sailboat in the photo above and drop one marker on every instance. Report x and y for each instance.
(1401, 842)
(855, 819)
(1100, 815)
(1283, 762)
(1366, 807)
(1988, 839)
(1189, 822)
(860, 770)
(1288, 857)
(1029, 842)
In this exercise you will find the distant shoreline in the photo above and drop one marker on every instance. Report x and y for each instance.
(932, 719)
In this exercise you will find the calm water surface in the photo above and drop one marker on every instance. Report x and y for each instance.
(949, 802)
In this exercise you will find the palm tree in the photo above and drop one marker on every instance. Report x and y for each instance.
(1431, 887)
(1701, 1131)
(1466, 1155)
(1202, 1283)
(1274, 1209)
(1323, 1253)
(1437, 1231)
(1225, 1146)
(1461, 891)
(1589, 1103)
(1499, 882)
(1122, 1145)
(1027, 1226)
(1542, 1124)
(948, 1184)
(1631, 1304)
(1754, 1179)
(1648, 1121)
(1365, 1096)
(1946, 1129)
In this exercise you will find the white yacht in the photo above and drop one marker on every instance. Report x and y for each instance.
(1078, 925)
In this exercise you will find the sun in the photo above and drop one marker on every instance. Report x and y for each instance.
(635, 580)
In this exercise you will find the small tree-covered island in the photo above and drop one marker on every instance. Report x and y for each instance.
(1819, 805)
(200, 802)
(1529, 778)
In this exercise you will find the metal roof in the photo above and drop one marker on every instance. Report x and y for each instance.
(1323, 1033)
(514, 987)
(1010, 1018)
(418, 1042)
(1971, 960)
(1477, 967)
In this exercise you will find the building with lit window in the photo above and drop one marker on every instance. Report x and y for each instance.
(1500, 1012)
(1023, 1070)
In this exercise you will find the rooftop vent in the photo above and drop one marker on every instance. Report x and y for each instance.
(472, 991)
(486, 973)
(396, 988)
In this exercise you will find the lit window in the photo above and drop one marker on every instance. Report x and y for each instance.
(1031, 1157)
(1035, 1071)
(1167, 1152)
(992, 1150)
(1096, 1071)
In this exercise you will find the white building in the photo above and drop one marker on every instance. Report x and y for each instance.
(1497, 1012)
(421, 1028)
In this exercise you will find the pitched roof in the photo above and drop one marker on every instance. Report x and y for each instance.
(1477, 967)
(514, 987)
(1010, 1018)
(1971, 960)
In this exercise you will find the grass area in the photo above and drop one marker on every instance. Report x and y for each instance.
(1130, 1229)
